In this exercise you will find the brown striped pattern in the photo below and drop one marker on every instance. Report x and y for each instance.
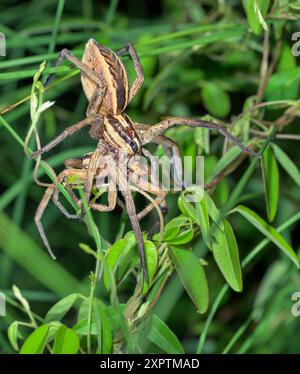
(119, 132)
(111, 71)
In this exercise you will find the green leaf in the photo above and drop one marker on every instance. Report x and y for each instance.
(294, 4)
(161, 335)
(178, 231)
(203, 220)
(187, 209)
(115, 254)
(66, 341)
(287, 164)
(13, 334)
(256, 11)
(229, 157)
(198, 213)
(273, 280)
(202, 139)
(287, 60)
(271, 182)
(104, 333)
(283, 85)
(215, 100)
(36, 342)
(60, 309)
(226, 254)
(213, 211)
(192, 276)
(151, 263)
(268, 231)
(112, 314)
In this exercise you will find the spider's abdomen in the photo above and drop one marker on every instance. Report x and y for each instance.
(108, 66)
(118, 131)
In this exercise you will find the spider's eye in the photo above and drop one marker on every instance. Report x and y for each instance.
(134, 146)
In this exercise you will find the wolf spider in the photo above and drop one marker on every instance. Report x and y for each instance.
(105, 83)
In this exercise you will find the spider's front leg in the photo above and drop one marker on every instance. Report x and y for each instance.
(52, 191)
(170, 146)
(66, 133)
(160, 127)
(139, 80)
(65, 54)
(78, 176)
(131, 211)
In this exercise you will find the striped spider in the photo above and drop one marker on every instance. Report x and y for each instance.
(105, 83)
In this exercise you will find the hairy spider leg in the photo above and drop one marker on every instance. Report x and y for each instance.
(66, 133)
(131, 211)
(50, 192)
(139, 79)
(165, 124)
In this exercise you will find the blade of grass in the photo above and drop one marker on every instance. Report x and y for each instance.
(59, 11)
(24, 251)
(247, 260)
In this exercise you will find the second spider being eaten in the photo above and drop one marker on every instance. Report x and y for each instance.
(105, 83)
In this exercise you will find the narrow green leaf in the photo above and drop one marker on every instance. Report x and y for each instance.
(111, 313)
(22, 249)
(213, 211)
(104, 333)
(294, 4)
(161, 335)
(273, 280)
(215, 100)
(192, 276)
(199, 212)
(59, 310)
(13, 333)
(256, 11)
(151, 263)
(271, 182)
(203, 220)
(287, 164)
(36, 342)
(229, 157)
(268, 231)
(226, 254)
(115, 254)
(66, 341)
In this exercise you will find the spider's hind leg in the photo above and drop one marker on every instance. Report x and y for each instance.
(38, 217)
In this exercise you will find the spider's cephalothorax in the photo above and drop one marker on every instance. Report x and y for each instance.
(119, 132)
(105, 83)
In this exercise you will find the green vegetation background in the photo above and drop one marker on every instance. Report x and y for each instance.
(213, 57)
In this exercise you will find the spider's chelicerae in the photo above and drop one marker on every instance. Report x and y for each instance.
(105, 83)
